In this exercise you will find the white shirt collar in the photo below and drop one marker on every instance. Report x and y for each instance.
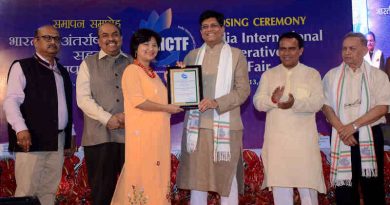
(54, 66)
(103, 54)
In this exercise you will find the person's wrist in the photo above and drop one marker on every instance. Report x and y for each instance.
(355, 126)
(215, 104)
(165, 108)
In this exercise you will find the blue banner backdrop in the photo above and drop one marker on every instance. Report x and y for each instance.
(252, 26)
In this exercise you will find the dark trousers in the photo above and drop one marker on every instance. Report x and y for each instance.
(373, 189)
(104, 164)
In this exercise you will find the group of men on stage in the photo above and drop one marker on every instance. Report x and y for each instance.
(354, 97)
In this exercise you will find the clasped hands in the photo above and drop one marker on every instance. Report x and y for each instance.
(117, 121)
(346, 134)
(277, 95)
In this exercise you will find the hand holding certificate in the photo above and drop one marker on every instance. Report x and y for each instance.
(185, 86)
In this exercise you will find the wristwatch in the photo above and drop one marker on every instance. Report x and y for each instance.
(355, 127)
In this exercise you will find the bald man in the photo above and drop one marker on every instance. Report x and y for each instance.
(99, 96)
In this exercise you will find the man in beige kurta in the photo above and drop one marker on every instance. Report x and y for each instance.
(291, 94)
(198, 171)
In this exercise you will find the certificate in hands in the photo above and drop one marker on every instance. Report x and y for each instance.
(185, 86)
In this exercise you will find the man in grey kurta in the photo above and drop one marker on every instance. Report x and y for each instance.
(291, 94)
(99, 96)
(199, 171)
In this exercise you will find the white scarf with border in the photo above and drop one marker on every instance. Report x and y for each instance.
(221, 125)
(341, 165)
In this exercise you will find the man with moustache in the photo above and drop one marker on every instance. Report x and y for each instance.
(99, 96)
(212, 143)
(291, 94)
(374, 56)
(38, 107)
(357, 97)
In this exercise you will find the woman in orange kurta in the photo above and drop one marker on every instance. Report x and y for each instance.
(145, 178)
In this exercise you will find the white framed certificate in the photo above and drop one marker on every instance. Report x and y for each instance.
(185, 86)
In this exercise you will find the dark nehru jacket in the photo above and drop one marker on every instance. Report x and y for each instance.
(40, 106)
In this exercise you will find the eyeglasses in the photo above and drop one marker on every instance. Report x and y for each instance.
(49, 38)
(211, 26)
(357, 102)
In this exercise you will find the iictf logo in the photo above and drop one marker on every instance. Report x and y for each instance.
(176, 42)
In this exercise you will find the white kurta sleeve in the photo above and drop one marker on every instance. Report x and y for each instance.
(84, 97)
(326, 83)
(262, 98)
(314, 101)
(14, 98)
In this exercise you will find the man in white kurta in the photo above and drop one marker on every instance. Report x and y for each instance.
(357, 97)
(291, 94)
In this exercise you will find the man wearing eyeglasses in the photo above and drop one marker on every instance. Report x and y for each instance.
(212, 143)
(99, 96)
(38, 107)
(357, 97)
